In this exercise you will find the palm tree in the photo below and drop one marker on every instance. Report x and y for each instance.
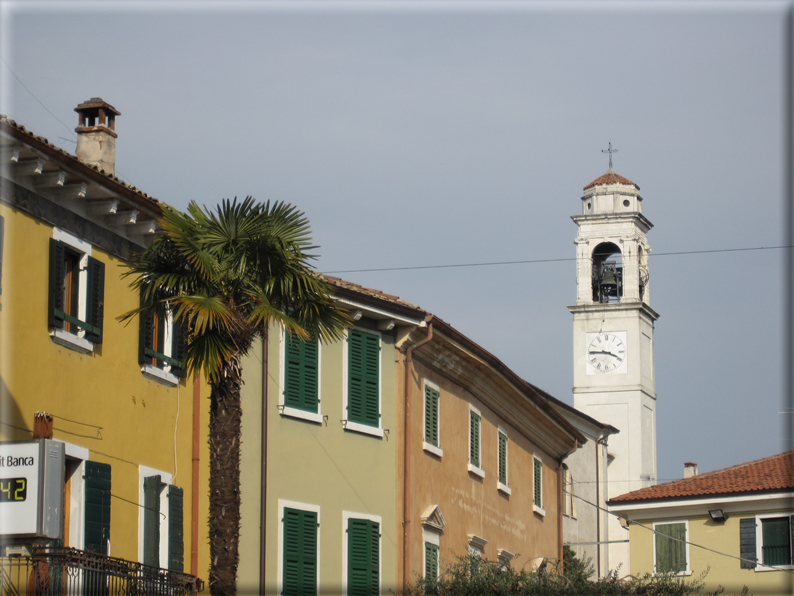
(224, 275)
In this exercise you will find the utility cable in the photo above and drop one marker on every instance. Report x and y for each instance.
(533, 261)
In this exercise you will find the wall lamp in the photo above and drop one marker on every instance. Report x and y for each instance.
(717, 515)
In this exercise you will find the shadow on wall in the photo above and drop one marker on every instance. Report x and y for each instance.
(13, 426)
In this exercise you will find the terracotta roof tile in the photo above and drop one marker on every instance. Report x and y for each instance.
(611, 177)
(769, 474)
(13, 124)
(341, 283)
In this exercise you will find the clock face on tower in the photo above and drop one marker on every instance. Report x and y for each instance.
(606, 353)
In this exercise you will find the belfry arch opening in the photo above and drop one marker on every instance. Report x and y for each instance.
(607, 273)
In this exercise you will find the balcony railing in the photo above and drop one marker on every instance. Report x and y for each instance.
(48, 571)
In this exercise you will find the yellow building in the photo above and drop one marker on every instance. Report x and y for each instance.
(737, 523)
(113, 394)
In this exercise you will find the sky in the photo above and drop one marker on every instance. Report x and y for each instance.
(462, 133)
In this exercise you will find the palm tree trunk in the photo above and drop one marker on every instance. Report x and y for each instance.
(224, 442)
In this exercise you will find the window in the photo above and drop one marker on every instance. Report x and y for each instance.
(363, 382)
(301, 360)
(568, 503)
(475, 423)
(502, 463)
(76, 293)
(538, 485)
(430, 443)
(431, 537)
(161, 533)
(476, 545)
(162, 346)
(431, 560)
(363, 555)
(671, 551)
(299, 569)
(96, 537)
(504, 557)
(776, 534)
(766, 542)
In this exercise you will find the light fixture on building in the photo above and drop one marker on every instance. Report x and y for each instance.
(717, 515)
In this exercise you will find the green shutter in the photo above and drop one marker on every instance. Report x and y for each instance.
(97, 507)
(57, 259)
(502, 458)
(176, 533)
(538, 477)
(474, 438)
(301, 374)
(670, 548)
(363, 386)
(145, 334)
(431, 415)
(179, 339)
(431, 561)
(363, 557)
(747, 547)
(776, 534)
(151, 521)
(95, 300)
(300, 553)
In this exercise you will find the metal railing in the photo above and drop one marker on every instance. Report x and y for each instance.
(48, 571)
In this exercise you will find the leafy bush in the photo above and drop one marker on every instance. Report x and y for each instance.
(472, 576)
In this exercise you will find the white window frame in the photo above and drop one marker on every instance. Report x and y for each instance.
(477, 545)
(505, 488)
(284, 504)
(759, 540)
(164, 375)
(282, 381)
(688, 570)
(76, 498)
(476, 470)
(433, 537)
(75, 341)
(376, 431)
(569, 500)
(539, 510)
(165, 480)
(429, 447)
(503, 557)
(346, 515)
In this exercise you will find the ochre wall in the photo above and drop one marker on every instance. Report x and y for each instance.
(470, 504)
(101, 401)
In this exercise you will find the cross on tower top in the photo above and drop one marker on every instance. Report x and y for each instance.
(610, 151)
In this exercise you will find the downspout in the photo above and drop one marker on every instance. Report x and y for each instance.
(598, 510)
(407, 455)
(560, 539)
(194, 522)
(263, 488)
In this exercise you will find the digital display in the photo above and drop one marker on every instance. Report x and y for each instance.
(13, 490)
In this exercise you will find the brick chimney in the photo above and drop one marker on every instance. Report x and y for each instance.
(690, 469)
(96, 137)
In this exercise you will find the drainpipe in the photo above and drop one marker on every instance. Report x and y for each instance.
(560, 505)
(194, 522)
(263, 488)
(407, 455)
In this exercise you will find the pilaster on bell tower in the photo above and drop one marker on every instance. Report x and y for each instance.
(613, 328)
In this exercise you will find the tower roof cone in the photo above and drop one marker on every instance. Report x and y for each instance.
(611, 177)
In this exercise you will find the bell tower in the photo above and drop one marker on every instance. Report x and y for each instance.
(613, 326)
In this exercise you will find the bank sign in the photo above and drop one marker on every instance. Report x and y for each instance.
(31, 488)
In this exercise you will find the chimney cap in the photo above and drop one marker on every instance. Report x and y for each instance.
(690, 463)
(95, 103)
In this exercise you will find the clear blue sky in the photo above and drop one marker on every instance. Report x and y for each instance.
(452, 133)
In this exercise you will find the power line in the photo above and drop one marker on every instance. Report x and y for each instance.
(533, 261)
(34, 97)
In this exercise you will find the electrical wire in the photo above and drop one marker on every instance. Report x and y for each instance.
(567, 259)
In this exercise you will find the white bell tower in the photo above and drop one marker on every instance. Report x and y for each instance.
(613, 336)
